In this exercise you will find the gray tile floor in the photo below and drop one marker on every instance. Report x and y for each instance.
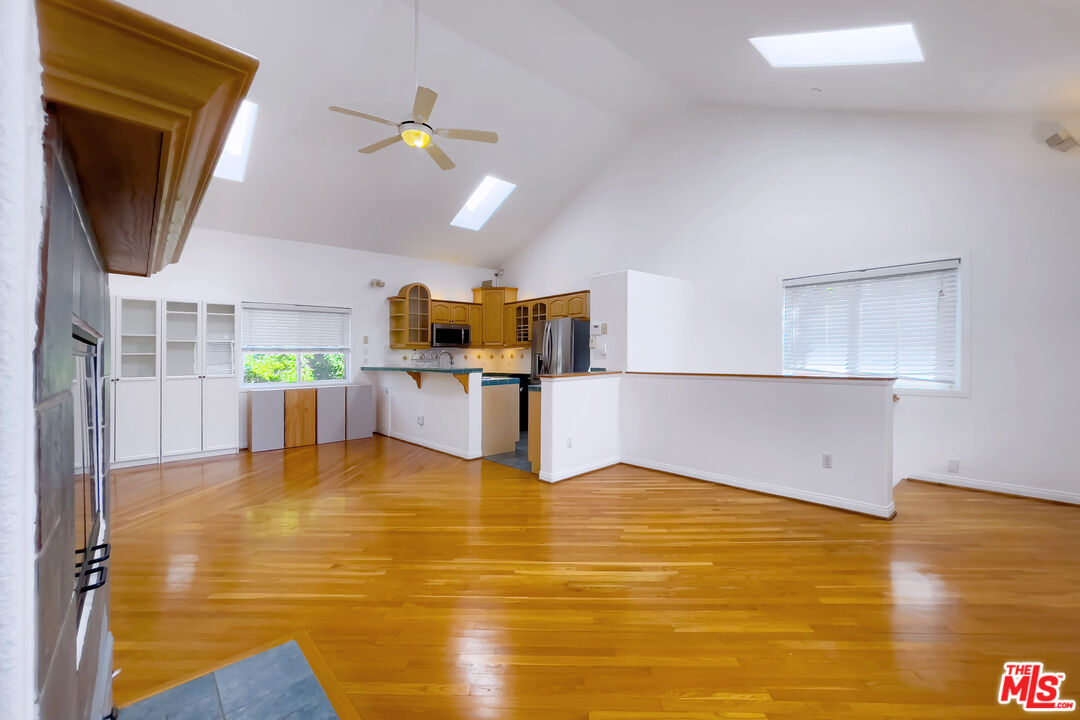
(274, 685)
(519, 458)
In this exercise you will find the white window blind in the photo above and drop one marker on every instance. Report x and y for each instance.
(294, 327)
(893, 322)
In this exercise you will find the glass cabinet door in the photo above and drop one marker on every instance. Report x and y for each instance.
(219, 354)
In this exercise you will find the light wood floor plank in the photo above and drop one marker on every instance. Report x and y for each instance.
(435, 587)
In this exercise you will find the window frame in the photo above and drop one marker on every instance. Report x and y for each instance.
(962, 387)
(297, 353)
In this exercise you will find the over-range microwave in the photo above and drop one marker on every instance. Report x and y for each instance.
(443, 335)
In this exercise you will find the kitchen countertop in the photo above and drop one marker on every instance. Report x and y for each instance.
(488, 380)
(450, 371)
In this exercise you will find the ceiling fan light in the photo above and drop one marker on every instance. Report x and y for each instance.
(416, 137)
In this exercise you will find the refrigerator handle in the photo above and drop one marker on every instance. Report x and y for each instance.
(545, 357)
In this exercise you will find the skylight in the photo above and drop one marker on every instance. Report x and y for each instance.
(233, 161)
(858, 46)
(482, 204)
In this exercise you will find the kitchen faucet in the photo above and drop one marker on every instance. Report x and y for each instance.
(438, 360)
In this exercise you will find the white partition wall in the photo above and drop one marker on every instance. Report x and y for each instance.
(823, 440)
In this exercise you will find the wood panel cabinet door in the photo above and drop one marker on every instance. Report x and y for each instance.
(476, 324)
(300, 417)
(509, 335)
(492, 301)
(440, 311)
(459, 313)
(557, 308)
(577, 305)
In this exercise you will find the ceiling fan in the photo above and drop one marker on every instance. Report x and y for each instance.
(416, 132)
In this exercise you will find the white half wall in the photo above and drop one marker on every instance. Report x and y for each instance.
(21, 166)
(758, 433)
(784, 193)
(439, 415)
(579, 425)
(766, 434)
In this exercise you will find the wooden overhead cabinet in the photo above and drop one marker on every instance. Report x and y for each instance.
(493, 301)
(410, 317)
(144, 108)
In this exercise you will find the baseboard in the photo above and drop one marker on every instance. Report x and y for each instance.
(579, 470)
(198, 455)
(996, 487)
(881, 511)
(121, 464)
(432, 445)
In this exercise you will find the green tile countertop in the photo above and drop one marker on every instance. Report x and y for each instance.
(488, 380)
(448, 371)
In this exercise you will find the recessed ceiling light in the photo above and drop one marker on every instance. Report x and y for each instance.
(858, 46)
(484, 201)
(233, 161)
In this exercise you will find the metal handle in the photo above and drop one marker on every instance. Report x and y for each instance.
(90, 560)
(102, 572)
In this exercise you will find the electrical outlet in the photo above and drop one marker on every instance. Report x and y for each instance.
(953, 465)
(569, 442)
(419, 419)
(603, 328)
(365, 339)
(826, 461)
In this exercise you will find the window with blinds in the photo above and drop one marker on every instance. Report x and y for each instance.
(295, 343)
(900, 321)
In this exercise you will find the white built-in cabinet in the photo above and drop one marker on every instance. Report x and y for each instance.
(180, 400)
(136, 382)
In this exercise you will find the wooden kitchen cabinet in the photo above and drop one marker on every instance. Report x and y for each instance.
(577, 305)
(476, 324)
(557, 308)
(459, 313)
(410, 317)
(493, 301)
(440, 311)
(496, 317)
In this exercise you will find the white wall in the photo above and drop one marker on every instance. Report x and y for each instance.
(579, 425)
(785, 193)
(766, 434)
(21, 163)
(228, 267)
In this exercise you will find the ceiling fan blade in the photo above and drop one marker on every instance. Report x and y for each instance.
(439, 156)
(423, 104)
(357, 113)
(477, 135)
(380, 145)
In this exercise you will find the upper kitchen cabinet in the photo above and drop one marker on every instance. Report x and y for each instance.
(574, 305)
(577, 305)
(410, 317)
(440, 311)
(493, 301)
(144, 109)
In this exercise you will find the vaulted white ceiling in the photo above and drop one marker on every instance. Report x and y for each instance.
(564, 83)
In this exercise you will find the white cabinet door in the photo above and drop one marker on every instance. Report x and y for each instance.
(136, 420)
(220, 417)
(181, 417)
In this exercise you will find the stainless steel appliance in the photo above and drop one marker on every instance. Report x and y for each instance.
(562, 347)
(444, 335)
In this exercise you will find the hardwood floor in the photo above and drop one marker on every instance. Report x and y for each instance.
(438, 588)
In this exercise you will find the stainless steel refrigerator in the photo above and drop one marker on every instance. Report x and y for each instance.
(560, 346)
